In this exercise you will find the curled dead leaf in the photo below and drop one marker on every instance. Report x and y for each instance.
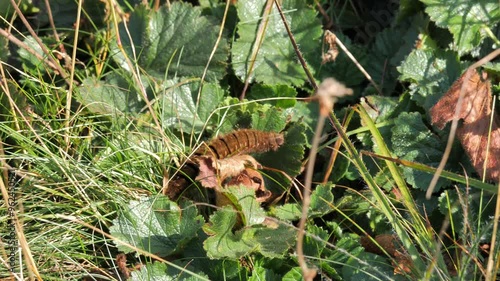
(252, 179)
(390, 244)
(481, 144)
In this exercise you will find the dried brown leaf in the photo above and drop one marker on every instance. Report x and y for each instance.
(474, 134)
(252, 179)
(212, 172)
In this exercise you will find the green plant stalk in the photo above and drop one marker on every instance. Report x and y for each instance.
(385, 205)
(431, 170)
(423, 236)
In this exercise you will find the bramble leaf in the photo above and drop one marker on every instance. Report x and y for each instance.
(167, 42)
(156, 225)
(276, 62)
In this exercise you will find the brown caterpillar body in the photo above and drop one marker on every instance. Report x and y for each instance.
(241, 142)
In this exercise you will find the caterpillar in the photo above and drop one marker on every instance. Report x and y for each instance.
(241, 142)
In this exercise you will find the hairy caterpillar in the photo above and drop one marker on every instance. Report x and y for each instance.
(241, 142)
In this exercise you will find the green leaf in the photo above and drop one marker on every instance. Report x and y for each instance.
(167, 42)
(431, 73)
(183, 109)
(243, 198)
(31, 63)
(162, 272)
(321, 204)
(288, 158)
(321, 200)
(268, 118)
(156, 225)
(368, 266)
(293, 275)
(276, 62)
(260, 273)
(390, 48)
(262, 91)
(223, 243)
(466, 20)
(112, 96)
(315, 241)
(411, 140)
(64, 12)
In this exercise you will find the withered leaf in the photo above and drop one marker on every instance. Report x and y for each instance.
(212, 172)
(252, 179)
(391, 244)
(476, 114)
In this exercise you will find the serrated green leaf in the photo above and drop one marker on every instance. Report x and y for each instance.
(276, 62)
(431, 73)
(243, 198)
(293, 275)
(223, 243)
(315, 241)
(167, 41)
(31, 63)
(466, 19)
(162, 272)
(156, 225)
(321, 204)
(260, 273)
(267, 118)
(390, 48)
(262, 91)
(64, 13)
(343, 68)
(110, 96)
(411, 140)
(183, 109)
(288, 158)
(368, 266)
(321, 200)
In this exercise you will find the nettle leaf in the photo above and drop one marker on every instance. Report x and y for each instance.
(178, 41)
(183, 109)
(112, 96)
(161, 272)
(413, 141)
(262, 91)
(321, 204)
(466, 19)
(431, 74)
(266, 240)
(156, 225)
(276, 62)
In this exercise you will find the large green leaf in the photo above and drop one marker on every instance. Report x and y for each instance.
(321, 204)
(243, 199)
(113, 96)
(162, 272)
(156, 225)
(224, 243)
(431, 74)
(413, 141)
(466, 19)
(183, 109)
(170, 41)
(276, 62)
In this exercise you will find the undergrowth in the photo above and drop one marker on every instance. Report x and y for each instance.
(105, 104)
